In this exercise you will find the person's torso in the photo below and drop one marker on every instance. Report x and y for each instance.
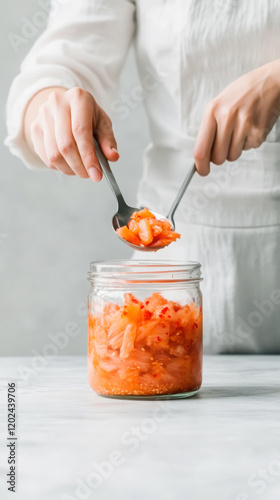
(187, 53)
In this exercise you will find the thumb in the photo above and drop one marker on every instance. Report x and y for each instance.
(106, 138)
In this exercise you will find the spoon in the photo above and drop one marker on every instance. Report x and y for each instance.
(124, 213)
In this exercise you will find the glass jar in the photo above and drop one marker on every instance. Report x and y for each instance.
(145, 329)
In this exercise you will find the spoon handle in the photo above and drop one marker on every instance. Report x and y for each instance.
(180, 194)
(106, 169)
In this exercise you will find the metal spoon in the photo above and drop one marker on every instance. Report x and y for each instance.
(124, 213)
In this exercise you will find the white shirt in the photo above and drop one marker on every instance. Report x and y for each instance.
(187, 52)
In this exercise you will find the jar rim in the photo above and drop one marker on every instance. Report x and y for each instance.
(145, 270)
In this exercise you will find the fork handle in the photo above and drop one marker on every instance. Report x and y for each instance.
(180, 194)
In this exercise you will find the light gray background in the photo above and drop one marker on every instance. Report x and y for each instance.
(53, 226)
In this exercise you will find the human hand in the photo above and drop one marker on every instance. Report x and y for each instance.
(239, 118)
(59, 126)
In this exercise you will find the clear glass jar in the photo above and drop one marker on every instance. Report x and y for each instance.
(145, 329)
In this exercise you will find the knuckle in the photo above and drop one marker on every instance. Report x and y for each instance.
(65, 147)
(54, 157)
(79, 93)
(222, 110)
(76, 91)
(246, 120)
(34, 128)
(79, 128)
(213, 106)
(88, 158)
(225, 113)
(245, 116)
(43, 111)
(54, 97)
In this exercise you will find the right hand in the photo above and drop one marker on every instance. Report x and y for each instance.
(59, 126)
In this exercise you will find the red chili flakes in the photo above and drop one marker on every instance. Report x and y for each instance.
(164, 310)
(141, 307)
(195, 326)
(161, 315)
(147, 302)
(154, 375)
(169, 316)
(147, 314)
(159, 339)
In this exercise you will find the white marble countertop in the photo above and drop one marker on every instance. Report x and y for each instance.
(222, 444)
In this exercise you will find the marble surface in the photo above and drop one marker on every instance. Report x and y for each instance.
(222, 444)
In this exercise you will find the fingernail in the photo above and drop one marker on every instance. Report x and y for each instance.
(115, 151)
(94, 174)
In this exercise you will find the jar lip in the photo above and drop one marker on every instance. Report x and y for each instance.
(144, 269)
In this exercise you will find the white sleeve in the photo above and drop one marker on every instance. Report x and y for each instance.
(84, 45)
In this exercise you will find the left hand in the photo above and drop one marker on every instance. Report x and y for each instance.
(239, 118)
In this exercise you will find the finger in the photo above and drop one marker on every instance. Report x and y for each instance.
(238, 142)
(106, 138)
(245, 144)
(204, 143)
(81, 121)
(53, 155)
(37, 139)
(254, 140)
(222, 141)
(66, 141)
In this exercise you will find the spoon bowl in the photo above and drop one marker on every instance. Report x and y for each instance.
(122, 219)
(124, 213)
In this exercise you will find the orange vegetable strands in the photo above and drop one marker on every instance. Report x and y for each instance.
(134, 227)
(145, 348)
(145, 230)
(128, 235)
